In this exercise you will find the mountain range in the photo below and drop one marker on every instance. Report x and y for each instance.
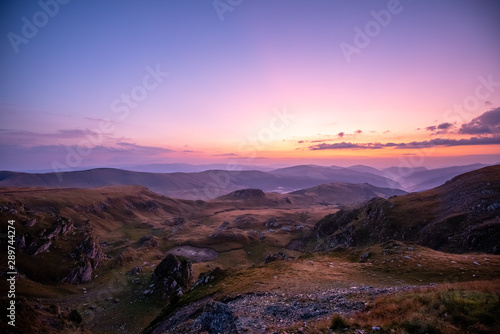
(210, 184)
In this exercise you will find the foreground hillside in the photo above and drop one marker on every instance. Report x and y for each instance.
(322, 292)
(124, 259)
(99, 247)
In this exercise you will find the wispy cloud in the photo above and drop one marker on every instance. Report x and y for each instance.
(143, 149)
(42, 156)
(225, 155)
(410, 145)
(22, 137)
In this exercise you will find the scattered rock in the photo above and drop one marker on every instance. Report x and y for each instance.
(365, 256)
(223, 226)
(176, 221)
(217, 318)
(134, 271)
(272, 222)
(275, 257)
(43, 248)
(30, 223)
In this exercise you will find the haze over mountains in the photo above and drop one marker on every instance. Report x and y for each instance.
(210, 184)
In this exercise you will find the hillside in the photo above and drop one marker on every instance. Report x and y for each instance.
(200, 185)
(419, 179)
(346, 193)
(460, 215)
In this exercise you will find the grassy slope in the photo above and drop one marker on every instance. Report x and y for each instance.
(119, 216)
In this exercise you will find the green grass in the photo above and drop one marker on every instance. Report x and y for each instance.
(464, 308)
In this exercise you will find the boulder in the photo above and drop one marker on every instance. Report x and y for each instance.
(173, 275)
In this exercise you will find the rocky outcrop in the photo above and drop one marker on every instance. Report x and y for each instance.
(261, 312)
(81, 273)
(272, 223)
(172, 276)
(210, 276)
(89, 256)
(43, 248)
(41, 242)
(276, 257)
(244, 222)
(149, 241)
(176, 221)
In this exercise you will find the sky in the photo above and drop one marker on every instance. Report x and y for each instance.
(284, 82)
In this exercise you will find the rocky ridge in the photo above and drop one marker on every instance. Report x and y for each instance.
(266, 312)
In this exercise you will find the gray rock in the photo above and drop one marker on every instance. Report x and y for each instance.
(172, 273)
(217, 318)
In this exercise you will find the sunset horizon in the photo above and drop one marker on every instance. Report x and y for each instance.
(322, 83)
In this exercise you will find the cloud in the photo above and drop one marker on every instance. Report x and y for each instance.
(19, 157)
(142, 149)
(341, 134)
(339, 146)
(300, 141)
(487, 123)
(440, 129)
(431, 128)
(358, 132)
(225, 155)
(444, 126)
(29, 138)
(411, 145)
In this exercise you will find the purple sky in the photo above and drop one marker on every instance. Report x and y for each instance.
(92, 83)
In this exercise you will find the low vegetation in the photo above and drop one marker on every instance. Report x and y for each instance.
(449, 308)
